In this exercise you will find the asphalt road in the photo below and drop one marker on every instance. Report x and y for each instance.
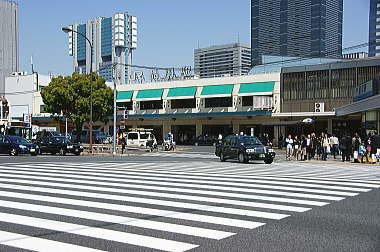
(201, 203)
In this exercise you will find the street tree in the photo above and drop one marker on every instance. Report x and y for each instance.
(70, 96)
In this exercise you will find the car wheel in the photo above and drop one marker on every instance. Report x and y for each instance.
(62, 152)
(268, 161)
(34, 154)
(13, 152)
(222, 158)
(242, 158)
(53, 153)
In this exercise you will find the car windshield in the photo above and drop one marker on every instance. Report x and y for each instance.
(250, 141)
(61, 140)
(55, 133)
(19, 140)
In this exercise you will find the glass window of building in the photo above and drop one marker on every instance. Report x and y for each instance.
(183, 103)
(145, 105)
(218, 102)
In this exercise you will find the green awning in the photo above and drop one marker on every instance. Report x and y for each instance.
(217, 91)
(181, 93)
(124, 95)
(150, 95)
(259, 88)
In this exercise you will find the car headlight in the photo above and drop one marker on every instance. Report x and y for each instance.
(270, 150)
(250, 150)
(70, 146)
(81, 147)
(22, 146)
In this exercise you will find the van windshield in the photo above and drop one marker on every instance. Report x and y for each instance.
(144, 136)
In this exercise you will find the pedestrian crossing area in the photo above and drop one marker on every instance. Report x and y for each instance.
(180, 155)
(159, 206)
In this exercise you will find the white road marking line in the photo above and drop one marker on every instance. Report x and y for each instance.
(154, 225)
(193, 181)
(174, 191)
(123, 237)
(122, 182)
(325, 184)
(143, 210)
(39, 244)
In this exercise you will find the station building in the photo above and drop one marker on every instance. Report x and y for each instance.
(326, 93)
(195, 107)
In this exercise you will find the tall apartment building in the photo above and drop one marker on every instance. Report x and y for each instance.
(9, 51)
(374, 28)
(223, 60)
(106, 34)
(300, 28)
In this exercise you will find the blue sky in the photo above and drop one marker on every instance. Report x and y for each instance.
(169, 30)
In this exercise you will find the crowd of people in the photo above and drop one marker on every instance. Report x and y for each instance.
(324, 146)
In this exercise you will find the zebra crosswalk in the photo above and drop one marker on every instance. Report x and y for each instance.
(136, 206)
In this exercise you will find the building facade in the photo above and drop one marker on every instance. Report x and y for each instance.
(106, 35)
(317, 91)
(9, 41)
(224, 60)
(24, 103)
(192, 108)
(374, 28)
(300, 28)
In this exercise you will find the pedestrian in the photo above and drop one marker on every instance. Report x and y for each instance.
(280, 142)
(289, 147)
(123, 143)
(356, 141)
(345, 148)
(309, 146)
(304, 148)
(296, 145)
(325, 144)
(334, 145)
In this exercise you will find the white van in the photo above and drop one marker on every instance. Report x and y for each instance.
(141, 138)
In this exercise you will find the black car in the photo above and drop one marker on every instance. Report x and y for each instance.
(14, 145)
(244, 148)
(204, 141)
(58, 144)
(98, 137)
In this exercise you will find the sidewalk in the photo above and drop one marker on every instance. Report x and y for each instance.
(281, 154)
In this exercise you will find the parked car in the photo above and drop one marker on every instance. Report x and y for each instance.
(141, 138)
(244, 149)
(204, 141)
(14, 145)
(98, 137)
(58, 144)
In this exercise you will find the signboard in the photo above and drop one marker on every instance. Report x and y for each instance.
(161, 74)
(364, 91)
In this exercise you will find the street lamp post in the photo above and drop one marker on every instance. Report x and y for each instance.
(67, 30)
(118, 51)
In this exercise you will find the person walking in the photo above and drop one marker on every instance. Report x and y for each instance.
(304, 148)
(334, 141)
(289, 147)
(309, 146)
(356, 142)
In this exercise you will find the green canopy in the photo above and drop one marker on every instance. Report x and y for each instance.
(124, 95)
(150, 94)
(256, 88)
(182, 93)
(217, 90)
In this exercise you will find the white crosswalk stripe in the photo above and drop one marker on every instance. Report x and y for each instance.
(172, 206)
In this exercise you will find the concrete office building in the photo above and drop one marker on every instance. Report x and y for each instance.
(9, 52)
(300, 28)
(106, 35)
(374, 28)
(223, 60)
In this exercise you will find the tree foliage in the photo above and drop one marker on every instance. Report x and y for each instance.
(70, 96)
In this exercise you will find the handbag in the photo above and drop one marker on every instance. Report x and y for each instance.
(328, 149)
(356, 155)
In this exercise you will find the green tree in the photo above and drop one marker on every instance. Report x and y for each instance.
(70, 96)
